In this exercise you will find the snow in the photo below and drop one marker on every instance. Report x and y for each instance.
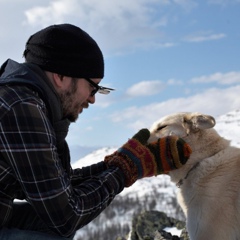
(93, 157)
(173, 231)
(228, 126)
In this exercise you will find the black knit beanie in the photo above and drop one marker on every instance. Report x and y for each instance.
(67, 50)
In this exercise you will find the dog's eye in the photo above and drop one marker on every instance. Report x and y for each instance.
(161, 127)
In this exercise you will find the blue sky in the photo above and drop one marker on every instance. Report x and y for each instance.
(161, 56)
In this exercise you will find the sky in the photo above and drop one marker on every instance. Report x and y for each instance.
(161, 56)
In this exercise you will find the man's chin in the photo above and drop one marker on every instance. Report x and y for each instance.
(72, 118)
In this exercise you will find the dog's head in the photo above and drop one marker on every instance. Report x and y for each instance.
(195, 128)
(185, 125)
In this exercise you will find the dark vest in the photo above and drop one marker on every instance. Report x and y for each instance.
(13, 73)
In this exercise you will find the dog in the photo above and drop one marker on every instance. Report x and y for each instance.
(209, 183)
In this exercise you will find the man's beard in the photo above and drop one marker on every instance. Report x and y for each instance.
(67, 98)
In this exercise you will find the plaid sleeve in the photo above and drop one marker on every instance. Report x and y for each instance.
(79, 175)
(28, 145)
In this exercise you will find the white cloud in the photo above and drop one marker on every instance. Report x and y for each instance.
(124, 11)
(145, 88)
(174, 82)
(221, 78)
(128, 21)
(204, 36)
(116, 25)
(213, 101)
(55, 12)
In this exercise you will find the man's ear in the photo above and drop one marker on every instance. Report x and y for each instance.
(58, 80)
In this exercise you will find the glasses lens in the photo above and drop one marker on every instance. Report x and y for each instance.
(97, 88)
(104, 91)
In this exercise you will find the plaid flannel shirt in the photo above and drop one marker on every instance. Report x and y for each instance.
(31, 169)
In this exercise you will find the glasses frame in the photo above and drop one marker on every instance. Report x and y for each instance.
(99, 89)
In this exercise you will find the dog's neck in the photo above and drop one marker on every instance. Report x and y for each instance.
(198, 155)
(208, 146)
(180, 182)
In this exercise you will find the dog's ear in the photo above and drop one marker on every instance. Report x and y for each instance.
(198, 122)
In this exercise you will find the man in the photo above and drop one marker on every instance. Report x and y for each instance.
(38, 100)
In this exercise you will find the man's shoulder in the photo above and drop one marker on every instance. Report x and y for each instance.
(11, 95)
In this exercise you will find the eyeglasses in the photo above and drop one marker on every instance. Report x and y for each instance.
(97, 88)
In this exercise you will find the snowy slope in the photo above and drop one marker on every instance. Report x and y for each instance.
(228, 126)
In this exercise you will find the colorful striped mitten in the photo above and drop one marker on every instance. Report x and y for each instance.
(137, 159)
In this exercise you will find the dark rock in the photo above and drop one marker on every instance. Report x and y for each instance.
(150, 225)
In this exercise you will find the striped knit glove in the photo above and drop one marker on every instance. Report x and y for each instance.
(137, 159)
